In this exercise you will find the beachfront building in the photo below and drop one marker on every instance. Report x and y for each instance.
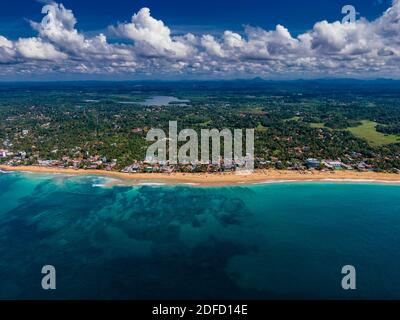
(334, 165)
(148, 169)
(313, 164)
(49, 163)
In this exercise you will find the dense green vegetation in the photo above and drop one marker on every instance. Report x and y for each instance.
(294, 121)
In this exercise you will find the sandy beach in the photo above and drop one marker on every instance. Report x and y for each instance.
(223, 179)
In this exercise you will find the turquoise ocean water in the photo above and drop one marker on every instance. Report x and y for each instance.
(270, 241)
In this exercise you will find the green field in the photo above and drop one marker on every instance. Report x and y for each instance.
(296, 118)
(367, 131)
(317, 125)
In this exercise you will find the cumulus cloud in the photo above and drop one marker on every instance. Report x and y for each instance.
(7, 51)
(152, 37)
(36, 49)
(147, 46)
(212, 46)
(58, 29)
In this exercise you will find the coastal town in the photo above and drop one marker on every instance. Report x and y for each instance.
(294, 130)
(99, 162)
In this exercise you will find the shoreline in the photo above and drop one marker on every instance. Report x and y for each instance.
(224, 179)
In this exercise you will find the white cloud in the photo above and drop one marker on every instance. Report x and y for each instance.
(58, 29)
(232, 39)
(7, 50)
(34, 48)
(364, 48)
(212, 46)
(152, 37)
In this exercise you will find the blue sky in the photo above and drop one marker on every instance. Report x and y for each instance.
(198, 39)
(190, 16)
